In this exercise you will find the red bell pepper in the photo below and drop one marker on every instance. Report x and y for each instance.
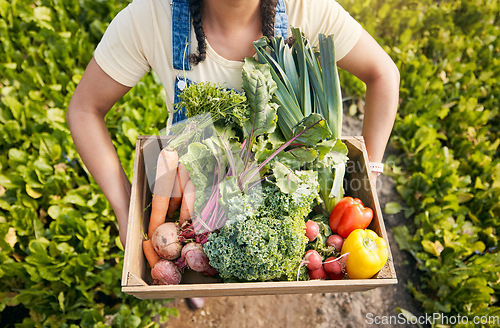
(348, 215)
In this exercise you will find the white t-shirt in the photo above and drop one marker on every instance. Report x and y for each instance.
(140, 38)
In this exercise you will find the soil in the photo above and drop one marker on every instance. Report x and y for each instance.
(373, 308)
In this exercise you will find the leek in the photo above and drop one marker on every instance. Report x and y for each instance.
(308, 83)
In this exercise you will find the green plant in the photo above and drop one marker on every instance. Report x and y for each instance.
(447, 131)
(60, 256)
(269, 243)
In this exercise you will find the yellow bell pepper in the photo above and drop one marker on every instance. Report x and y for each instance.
(367, 253)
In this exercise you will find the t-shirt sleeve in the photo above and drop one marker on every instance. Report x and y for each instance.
(328, 17)
(121, 53)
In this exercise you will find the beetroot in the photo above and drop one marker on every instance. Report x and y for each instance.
(166, 272)
(210, 272)
(166, 242)
(195, 257)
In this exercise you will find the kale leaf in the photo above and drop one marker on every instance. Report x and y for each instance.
(270, 243)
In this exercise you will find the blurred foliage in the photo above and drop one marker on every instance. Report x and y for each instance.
(447, 132)
(61, 259)
(59, 250)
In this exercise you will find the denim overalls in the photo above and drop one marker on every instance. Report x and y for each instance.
(181, 36)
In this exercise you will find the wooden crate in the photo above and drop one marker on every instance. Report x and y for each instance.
(136, 278)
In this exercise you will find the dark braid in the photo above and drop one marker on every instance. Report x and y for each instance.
(195, 8)
(268, 10)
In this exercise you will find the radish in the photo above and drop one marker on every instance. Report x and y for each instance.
(318, 274)
(332, 265)
(193, 254)
(336, 276)
(166, 273)
(166, 241)
(335, 241)
(313, 260)
(312, 230)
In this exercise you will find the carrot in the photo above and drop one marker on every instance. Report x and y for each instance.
(166, 169)
(187, 206)
(183, 175)
(151, 256)
(176, 199)
(181, 179)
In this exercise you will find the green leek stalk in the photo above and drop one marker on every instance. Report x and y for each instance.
(307, 82)
(331, 85)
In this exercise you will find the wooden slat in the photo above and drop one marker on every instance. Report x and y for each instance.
(134, 257)
(367, 193)
(257, 288)
(133, 280)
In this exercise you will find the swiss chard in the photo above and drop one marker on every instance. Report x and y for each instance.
(232, 169)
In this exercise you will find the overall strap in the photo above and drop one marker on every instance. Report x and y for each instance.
(181, 43)
(180, 84)
(181, 31)
(281, 20)
(181, 34)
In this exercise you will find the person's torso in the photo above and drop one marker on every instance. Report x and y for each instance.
(158, 48)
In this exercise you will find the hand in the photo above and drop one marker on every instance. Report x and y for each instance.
(122, 229)
(121, 213)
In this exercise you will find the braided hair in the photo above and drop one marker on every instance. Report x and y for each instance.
(268, 10)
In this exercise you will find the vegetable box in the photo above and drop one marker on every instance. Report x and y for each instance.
(136, 278)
